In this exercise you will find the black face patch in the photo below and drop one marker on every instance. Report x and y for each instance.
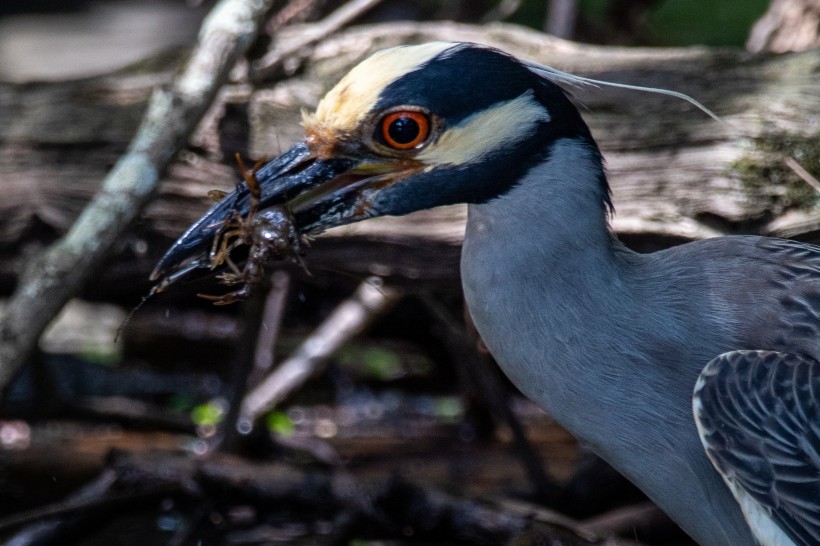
(468, 79)
(463, 81)
(459, 82)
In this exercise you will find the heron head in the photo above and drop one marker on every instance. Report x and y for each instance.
(409, 128)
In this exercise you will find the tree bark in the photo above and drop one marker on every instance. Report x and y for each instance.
(788, 25)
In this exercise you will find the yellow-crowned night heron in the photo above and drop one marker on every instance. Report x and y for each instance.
(610, 342)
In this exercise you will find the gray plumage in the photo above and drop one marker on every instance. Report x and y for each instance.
(610, 342)
(758, 413)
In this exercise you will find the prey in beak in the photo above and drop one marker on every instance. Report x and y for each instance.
(309, 188)
(404, 130)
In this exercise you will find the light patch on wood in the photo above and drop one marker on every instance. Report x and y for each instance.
(503, 124)
(354, 96)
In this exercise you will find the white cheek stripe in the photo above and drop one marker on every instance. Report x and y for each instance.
(503, 124)
(356, 94)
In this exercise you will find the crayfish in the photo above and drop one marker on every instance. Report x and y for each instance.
(269, 234)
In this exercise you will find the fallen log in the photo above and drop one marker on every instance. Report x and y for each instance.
(676, 174)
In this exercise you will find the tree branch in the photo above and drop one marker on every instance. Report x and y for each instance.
(347, 320)
(57, 274)
(268, 65)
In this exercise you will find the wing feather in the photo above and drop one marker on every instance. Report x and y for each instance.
(758, 417)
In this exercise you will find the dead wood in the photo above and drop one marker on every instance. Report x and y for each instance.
(676, 174)
(268, 66)
(788, 25)
(274, 312)
(393, 510)
(625, 520)
(51, 524)
(426, 512)
(242, 358)
(128, 410)
(351, 317)
(114, 489)
(55, 275)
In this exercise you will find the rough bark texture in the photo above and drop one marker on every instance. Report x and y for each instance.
(788, 25)
(676, 174)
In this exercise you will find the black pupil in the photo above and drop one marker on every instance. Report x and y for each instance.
(404, 130)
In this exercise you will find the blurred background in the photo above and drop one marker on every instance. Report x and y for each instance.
(128, 434)
(47, 40)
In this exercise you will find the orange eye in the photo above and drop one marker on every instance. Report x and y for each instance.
(405, 129)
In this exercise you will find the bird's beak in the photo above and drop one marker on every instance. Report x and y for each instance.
(320, 192)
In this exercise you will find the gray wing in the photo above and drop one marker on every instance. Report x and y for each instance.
(796, 281)
(758, 415)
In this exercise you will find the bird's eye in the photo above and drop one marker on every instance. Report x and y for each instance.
(405, 129)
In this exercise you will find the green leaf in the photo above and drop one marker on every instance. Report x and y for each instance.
(209, 413)
(279, 423)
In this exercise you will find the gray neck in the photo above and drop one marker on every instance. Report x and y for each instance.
(546, 251)
(594, 333)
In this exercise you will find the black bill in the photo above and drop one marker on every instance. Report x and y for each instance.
(320, 193)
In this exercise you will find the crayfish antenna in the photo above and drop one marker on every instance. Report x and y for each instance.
(133, 311)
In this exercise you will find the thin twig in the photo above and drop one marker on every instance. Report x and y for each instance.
(295, 11)
(242, 362)
(622, 520)
(271, 323)
(802, 173)
(57, 274)
(126, 479)
(88, 496)
(268, 65)
(350, 318)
